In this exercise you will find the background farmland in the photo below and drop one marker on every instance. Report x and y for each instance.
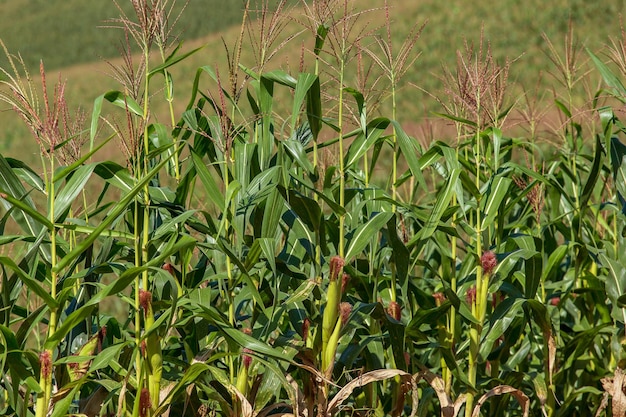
(74, 38)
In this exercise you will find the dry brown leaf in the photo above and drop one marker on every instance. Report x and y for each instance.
(521, 398)
(165, 391)
(603, 404)
(458, 403)
(122, 396)
(318, 375)
(448, 408)
(366, 378)
(551, 355)
(246, 407)
(615, 388)
(296, 395)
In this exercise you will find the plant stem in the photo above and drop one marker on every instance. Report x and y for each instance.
(342, 178)
(394, 137)
(479, 302)
(169, 96)
(45, 379)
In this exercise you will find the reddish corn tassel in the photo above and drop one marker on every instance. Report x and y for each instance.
(144, 402)
(306, 325)
(45, 361)
(336, 265)
(439, 298)
(488, 262)
(145, 299)
(471, 295)
(247, 359)
(394, 310)
(169, 268)
(102, 334)
(345, 279)
(345, 309)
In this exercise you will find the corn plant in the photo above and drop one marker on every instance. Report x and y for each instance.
(246, 258)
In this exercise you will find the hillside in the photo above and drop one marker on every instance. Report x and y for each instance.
(514, 31)
(69, 32)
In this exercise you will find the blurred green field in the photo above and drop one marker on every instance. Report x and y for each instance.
(67, 36)
(69, 32)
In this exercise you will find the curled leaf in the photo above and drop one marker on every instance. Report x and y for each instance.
(369, 377)
(521, 398)
(614, 386)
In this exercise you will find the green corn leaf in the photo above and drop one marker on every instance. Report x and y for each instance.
(95, 118)
(410, 152)
(27, 174)
(119, 99)
(30, 322)
(307, 209)
(563, 108)
(303, 85)
(619, 91)
(268, 247)
(426, 316)
(314, 108)
(461, 305)
(162, 141)
(209, 183)
(509, 263)
(113, 214)
(615, 285)
(66, 196)
(400, 254)
(116, 287)
(334, 206)
(30, 282)
(594, 174)
(13, 363)
(618, 163)
(119, 234)
(62, 406)
(173, 59)
(432, 155)
(500, 321)
(365, 140)
(541, 315)
(496, 139)
(554, 260)
(533, 268)
(274, 209)
(297, 152)
(115, 175)
(497, 191)
(320, 38)
(457, 119)
(361, 105)
(281, 77)
(17, 196)
(443, 201)
(171, 225)
(72, 320)
(107, 356)
(364, 233)
(32, 213)
(62, 173)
